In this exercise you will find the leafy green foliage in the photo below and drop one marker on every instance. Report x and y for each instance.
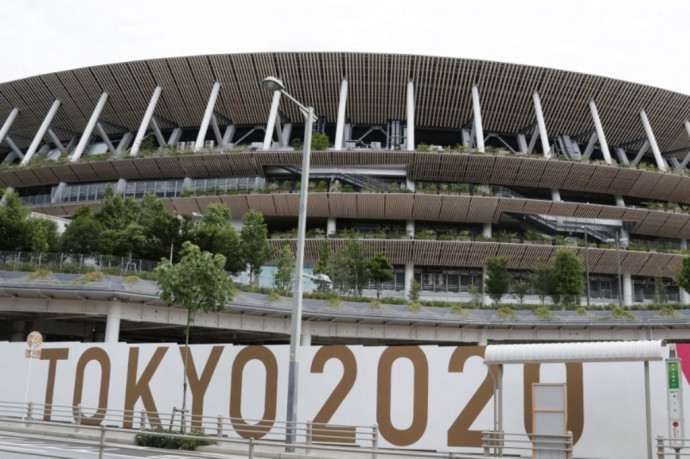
(498, 277)
(415, 289)
(542, 278)
(216, 234)
(284, 276)
(320, 141)
(683, 276)
(519, 288)
(380, 271)
(350, 267)
(569, 279)
(151, 440)
(255, 249)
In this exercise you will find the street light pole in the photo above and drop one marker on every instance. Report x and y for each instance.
(274, 84)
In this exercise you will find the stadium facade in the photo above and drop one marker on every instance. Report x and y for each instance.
(439, 163)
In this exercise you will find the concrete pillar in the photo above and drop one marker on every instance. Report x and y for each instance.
(541, 124)
(684, 296)
(660, 162)
(684, 244)
(486, 230)
(112, 325)
(41, 132)
(409, 228)
(88, 130)
(8, 123)
(340, 123)
(143, 127)
(271, 124)
(600, 131)
(331, 226)
(486, 300)
(627, 289)
(410, 185)
(410, 116)
(201, 136)
(409, 277)
(305, 339)
(555, 195)
(481, 339)
(477, 112)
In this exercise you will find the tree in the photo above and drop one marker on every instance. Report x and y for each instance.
(683, 276)
(256, 250)
(415, 289)
(520, 287)
(569, 279)
(82, 235)
(380, 271)
(324, 265)
(320, 141)
(13, 216)
(41, 234)
(283, 278)
(498, 278)
(198, 283)
(660, 291)
(215, 234)
(161, 228)
(542, 278)
(350, 271)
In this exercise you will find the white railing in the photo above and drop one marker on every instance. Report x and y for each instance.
(672, 447)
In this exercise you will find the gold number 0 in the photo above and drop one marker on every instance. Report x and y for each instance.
(321, 430)
(459, 433)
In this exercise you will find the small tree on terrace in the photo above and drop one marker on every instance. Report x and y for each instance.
(200, 284)
(256, 250)
(683, 276)
(542, 277)
(569, 279)
(519, 288)
(324, 265)
(380, 271)
(498, 277)
(285, 267)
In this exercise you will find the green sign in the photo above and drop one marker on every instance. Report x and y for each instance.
(673, 379)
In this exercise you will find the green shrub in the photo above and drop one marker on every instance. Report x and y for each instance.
(506, 313)
(333, 302)
(414, 307)
(93, 276)
(622, 314)
(152, 440)
(543, 312)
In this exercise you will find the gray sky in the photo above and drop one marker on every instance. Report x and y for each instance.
(642, 41)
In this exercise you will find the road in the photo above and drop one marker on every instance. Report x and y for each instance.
(25, 447)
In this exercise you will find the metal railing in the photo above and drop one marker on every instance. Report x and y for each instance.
(72, 262)
(101, 428)
(495, 442)
(672, 447)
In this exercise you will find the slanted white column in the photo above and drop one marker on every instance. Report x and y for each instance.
(123, 143)
(86, 135)
(41, 132)
(660, 163)
(410, 185)
(627, 289)
(146, 120)
(8, 123)
(410, 115)
(600, 131)
(199, 144)
(331, 226)
(112, 324)
(228, 134)
(478, 129)
(555, 195)
(271, 125)
(541, 124)
(105, 138)
(340, 124)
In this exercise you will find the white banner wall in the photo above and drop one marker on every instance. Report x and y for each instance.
(426, 397)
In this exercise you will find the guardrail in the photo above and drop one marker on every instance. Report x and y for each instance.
(672, 447)
(102, 429)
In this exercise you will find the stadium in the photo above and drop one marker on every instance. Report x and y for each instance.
(438, 163)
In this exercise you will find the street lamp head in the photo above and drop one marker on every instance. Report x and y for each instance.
(273, 84)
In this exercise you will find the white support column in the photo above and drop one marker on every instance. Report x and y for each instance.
(228, 134)
(105, 138)
(340, 123)
(590, 145)
(305, 338)
(486, 230)
(410, 185)
(285, 135)
(199, 144)
(600, 131)
(216, 130)
(476, 110)
(41, 132)
(271, 124)
(684, 296)
(555, 195)
(123, 144)
(627, 289)
(157, 132)
(409, 228)
(660, 162)
(8, 123)
(112, 324)
(175, 136)
(16, 152)
(55, 139)
(331, 226)
(86, 135)
(145, 121)
(410, 116)
(541, 125)
(409, 277)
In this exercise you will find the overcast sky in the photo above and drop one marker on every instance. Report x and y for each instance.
(642, 41)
